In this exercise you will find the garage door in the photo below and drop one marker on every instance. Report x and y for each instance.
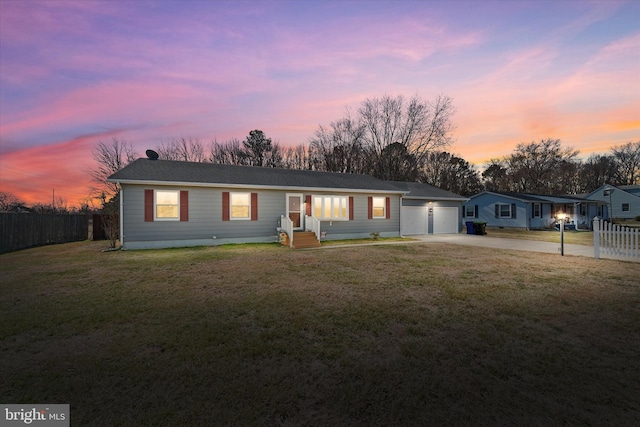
(414, 220)
(445, 220)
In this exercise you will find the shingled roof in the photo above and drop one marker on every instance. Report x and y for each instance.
(417, 190)
(147, 171)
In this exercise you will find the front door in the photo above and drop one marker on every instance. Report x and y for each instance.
(295, 210)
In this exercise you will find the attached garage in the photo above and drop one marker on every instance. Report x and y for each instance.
(415, 220)
(426, 209)
(445, 220)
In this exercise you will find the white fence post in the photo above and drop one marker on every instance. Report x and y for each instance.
(615, 240)
(596, 237)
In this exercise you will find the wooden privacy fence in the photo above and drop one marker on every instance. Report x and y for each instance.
(615, 241)
(25, 230)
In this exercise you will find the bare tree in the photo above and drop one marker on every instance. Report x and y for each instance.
(538, 167)
(627, 157)
(226, 153)
(185, 149)
(299, 157)
(339, 148)
(388, 132)
(110, 157)
(451, 173)
(596, 171)
(418, 125)
(110, 217)
(9, 202)
(496, 176)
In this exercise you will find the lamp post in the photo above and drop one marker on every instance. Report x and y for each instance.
(561, 221)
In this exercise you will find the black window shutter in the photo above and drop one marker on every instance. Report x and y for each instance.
(513, 210)
(464, 211)
(497, 210)
(475, 211)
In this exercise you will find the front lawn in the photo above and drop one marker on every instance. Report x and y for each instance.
(403, 334)
(570, 236)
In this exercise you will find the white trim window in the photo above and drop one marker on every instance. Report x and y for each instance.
(470, 211)
(379, 207)
(167, 205)
(537, 211)
(504, 210)
(331, 208)
(240, 206)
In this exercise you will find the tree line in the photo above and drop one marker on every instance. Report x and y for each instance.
(391, 138)
(398, 139)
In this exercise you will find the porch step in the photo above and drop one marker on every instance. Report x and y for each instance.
(304, 240)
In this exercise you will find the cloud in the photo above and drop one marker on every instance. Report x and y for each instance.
(32, 173)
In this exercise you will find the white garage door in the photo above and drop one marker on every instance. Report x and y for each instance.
(414, 220)
(445, 220)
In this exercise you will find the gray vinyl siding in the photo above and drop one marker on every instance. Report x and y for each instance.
(361, 225)
(205, 218)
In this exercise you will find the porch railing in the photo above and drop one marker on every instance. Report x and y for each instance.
(287, 226)
(615, 241)
(312, 224)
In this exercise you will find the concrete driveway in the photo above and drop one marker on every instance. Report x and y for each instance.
(509, 244)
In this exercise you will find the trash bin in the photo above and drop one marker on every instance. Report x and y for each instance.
(470, 227)
(480, 228)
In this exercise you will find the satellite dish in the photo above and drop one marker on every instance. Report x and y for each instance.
(152, 155)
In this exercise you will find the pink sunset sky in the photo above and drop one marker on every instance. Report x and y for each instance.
(73, 73)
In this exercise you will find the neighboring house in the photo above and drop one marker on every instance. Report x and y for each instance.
(173, 203)
(621, 202)
(530, 211)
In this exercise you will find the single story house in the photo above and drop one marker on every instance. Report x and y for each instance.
(174, 203)
(620, 202)
(530, 211)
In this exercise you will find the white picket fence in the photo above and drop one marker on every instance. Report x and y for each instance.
(615, 241)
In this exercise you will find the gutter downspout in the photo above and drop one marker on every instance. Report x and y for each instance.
(121, 219)
(400, 217)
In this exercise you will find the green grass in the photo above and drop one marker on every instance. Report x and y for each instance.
(570, 236)
(364, 241)
(413, 334)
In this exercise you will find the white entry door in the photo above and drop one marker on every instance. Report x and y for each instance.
(295, 211)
